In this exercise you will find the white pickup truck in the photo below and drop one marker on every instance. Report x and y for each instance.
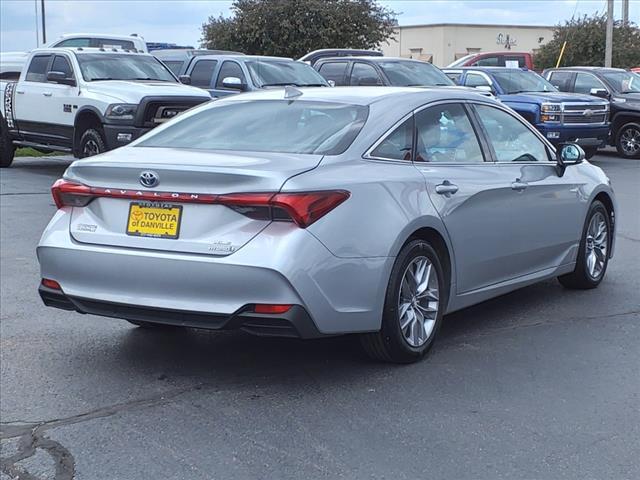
(88, 100)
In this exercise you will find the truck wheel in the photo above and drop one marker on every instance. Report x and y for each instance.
(628, 141)
(91, 143)
(7, 148)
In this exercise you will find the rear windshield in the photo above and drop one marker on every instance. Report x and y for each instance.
(279, 73)
(265, 126)
(414, 74)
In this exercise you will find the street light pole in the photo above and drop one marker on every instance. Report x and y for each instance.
(608, 49)
(44, 31)
(625, 12)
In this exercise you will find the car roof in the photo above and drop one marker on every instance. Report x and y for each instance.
(191, 52)
(84, 50)
(241, 57)
(368, 58)
(590, 69)
(491, 69)
(362, 95)
(99, 35)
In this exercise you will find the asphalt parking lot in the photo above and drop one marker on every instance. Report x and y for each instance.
(542, 383)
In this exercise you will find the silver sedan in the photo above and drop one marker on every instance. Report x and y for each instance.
(316, 212)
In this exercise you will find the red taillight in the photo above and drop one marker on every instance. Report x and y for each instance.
(70, 194)
(306, 208)
(46, 282)
(271, 309)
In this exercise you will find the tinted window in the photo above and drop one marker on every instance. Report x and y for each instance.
(114, 66)
(334, 71)
(413, 73)
(398, 144)
(445, 134)
(202, 73)
(487, 62)
(561, 80)
(511, 139)
(61, 64)
(363, 74)
(230, 69)
(75, 42)
(585, 82)
(624, 82)
(322, 128)
(476, 80)
(38, 69)
(174, 65)
(271, 73)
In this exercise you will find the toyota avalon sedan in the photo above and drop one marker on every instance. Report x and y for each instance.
(315, 212)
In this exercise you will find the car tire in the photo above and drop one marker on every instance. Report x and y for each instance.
(628, 140)
(401, 339)
(91, 143)
(7, 148)
(593, 253)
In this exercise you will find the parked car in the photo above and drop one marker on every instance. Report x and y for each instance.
(636, 69)
(620, 87)
(179, 60)
(312, 57)
(560, 117)
(324, 211)
(379, 71)
(223, 75)
(86, 101)
(152, 46)
(495, 59)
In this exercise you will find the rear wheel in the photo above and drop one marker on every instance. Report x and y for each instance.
(628, 141)
(91, 143)
(593, 255)
(414, 306)
(7, 148)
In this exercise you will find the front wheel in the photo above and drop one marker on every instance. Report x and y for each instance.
(91, 143)
(593, 253)
(414, 306)
(628, 141)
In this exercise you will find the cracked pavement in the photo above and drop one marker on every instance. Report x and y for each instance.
(542, 383)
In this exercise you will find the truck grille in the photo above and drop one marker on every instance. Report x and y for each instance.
(585, 113)
(159, 110)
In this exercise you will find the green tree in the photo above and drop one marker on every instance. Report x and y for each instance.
(585, 38)
(292, 28)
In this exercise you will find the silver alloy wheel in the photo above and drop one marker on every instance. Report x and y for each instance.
(597, 242)
(418, 301)
(91, 148)
(630, 141)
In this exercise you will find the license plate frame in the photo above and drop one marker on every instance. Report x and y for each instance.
(165, 232)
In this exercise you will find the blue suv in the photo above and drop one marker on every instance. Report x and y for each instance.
(561, 117)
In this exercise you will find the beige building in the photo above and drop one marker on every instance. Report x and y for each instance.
(442, 43)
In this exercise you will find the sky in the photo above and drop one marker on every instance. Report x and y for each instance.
(179, 21)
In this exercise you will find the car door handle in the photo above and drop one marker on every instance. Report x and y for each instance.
(47, 94)
(519, 186)
(20, 92)
(446, 188)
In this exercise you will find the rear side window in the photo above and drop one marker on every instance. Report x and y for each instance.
(61, 64)
(398, 145)
(365, 75)
(476, 80)
(230, 69)
(517, 61)
(585, 82)
(38, 69)
(75, 42)
(561, 80)
(112, 43)
(488, 62)
(334, 71)
(202, 73)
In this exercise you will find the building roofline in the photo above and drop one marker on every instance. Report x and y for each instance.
(474, 25)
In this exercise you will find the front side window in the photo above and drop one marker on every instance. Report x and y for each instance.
(398, 145)
(561, 80)
(37, 71)
(585, 82)
(365, 75)
(445, 134)
(280, 126)
(511, 140)
(334, 71)
(114, 66)
(202, 73)
(414, 74)
(61, 64)
(230, 69)
(274, 73)
(476, 80)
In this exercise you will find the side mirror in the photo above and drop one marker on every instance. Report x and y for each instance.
(332, 83)
(568, 154)
(185, 79)
(599, 92)
(61, 78)
(233, 83)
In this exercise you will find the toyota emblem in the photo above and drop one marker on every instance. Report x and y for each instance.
(149, 179)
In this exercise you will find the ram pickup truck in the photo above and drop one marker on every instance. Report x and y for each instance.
(86, 101)
(560, 117)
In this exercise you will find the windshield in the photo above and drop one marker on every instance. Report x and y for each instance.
(414, 74)
(460, 62)
(623, 82)
(282, 126)
(102, 66)
(277, 73)
(518, 81)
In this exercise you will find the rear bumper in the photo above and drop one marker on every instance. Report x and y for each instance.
(120, 135)
(585, 136)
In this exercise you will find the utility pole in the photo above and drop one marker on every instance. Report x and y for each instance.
(608, 49)
(44, 30)
(625, 12)
(35, 3)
